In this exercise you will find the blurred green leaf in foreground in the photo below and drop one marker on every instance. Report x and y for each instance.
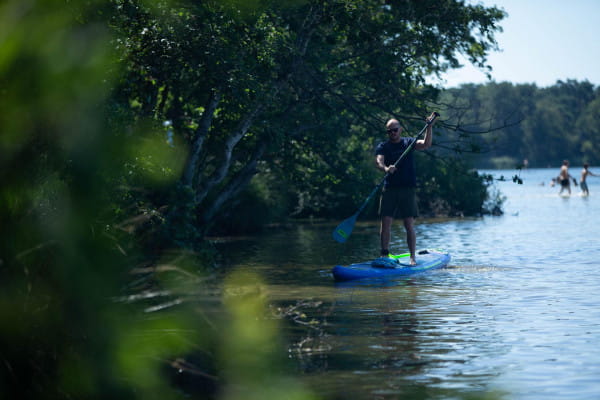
(63, 265)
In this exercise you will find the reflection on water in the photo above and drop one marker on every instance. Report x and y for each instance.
(515, 314)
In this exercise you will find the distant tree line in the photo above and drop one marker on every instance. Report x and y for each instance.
(512, 124)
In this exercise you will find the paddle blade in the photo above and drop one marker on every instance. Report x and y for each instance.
(343, 230)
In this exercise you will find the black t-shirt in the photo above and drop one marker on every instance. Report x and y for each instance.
(405, 175)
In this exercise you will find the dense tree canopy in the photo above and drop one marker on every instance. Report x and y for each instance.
(297, 88)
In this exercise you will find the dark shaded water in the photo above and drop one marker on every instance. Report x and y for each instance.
(515, 316)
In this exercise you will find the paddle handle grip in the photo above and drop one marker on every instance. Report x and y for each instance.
(435, 115)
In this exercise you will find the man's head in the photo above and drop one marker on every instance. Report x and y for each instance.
(393, 129)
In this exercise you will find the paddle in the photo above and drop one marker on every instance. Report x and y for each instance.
(342, 232)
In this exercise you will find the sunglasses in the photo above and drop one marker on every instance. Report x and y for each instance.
(393, 130)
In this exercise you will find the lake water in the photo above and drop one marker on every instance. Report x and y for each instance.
(516, 315)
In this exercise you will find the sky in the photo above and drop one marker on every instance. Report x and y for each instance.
(543, 41)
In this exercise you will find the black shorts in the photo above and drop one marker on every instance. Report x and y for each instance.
(398, 202)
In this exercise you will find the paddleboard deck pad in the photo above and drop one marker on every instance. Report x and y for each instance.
(392, 266)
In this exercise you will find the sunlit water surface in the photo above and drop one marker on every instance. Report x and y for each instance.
(515, 316)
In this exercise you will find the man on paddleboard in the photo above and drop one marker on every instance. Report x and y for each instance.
(398, 198)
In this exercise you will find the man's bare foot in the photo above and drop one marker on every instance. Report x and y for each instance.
(413, 262)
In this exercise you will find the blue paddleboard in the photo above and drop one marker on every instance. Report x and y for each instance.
(397, 265)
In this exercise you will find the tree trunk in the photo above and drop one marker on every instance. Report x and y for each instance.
(237, 183)
(201, 132)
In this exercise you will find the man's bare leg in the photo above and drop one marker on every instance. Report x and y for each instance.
(411, 238)
(385, 233)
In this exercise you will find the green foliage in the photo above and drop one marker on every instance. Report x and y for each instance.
(507, 124)
(180, 229)
(504, 162)
(293, 91)
(448, 187)
(58, 267)
(251, 356)
(264, 202)
(75, 184)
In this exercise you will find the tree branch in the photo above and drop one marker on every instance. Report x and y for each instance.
(228, 147)
(237, 183)
(199, 137)
(301, 45)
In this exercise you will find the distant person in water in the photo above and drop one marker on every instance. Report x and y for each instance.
(564, 178)
(584, 173)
